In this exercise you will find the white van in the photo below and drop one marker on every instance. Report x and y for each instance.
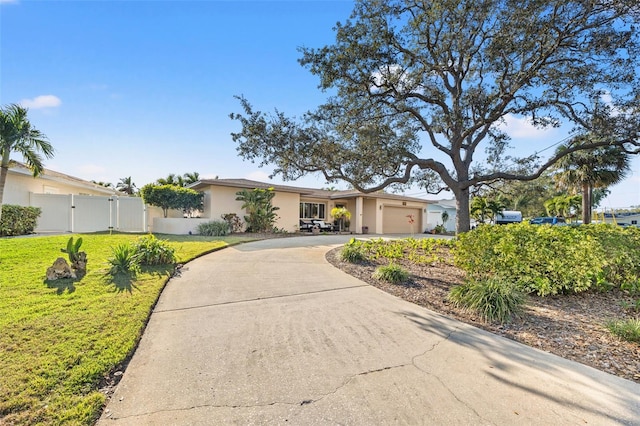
(508, 216)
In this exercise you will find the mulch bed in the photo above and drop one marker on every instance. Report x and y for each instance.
(570, 326)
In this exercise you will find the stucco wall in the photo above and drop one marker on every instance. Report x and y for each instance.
(18, 187)
(177, 226)
(369, 215)
(434, 217)
(289, 213)
(221, 200)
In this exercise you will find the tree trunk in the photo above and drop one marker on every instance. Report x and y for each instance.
(4, 171)
(463, 217)
(586, 203)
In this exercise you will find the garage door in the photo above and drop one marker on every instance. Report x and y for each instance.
(395, 220)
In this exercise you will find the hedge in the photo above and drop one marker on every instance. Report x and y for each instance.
(18, 220)
(553, 259)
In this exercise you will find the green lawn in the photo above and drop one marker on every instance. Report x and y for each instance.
(59, 339)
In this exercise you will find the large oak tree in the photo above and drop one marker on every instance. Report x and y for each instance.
(419, 90)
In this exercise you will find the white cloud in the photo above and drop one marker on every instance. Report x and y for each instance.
(517, 127)
(43, 101)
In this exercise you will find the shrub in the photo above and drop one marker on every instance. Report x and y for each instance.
(392, 273)
(494, 299)
(215, 228)
(172, 197)
(235, 223)
(18, 220)
(352, 252)
(261, 211)
(77, 258)
(123, 260)
(625, 329)
(151, 251)
(542, 259)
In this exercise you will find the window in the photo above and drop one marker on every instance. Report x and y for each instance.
(312, 211)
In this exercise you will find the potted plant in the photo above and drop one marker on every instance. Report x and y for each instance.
(343, 216)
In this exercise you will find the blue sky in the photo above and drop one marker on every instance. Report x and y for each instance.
(145, 88)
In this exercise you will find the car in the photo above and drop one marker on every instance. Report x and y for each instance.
(547, 220)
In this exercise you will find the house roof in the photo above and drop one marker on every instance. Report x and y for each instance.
(51, 175)
(308, 192)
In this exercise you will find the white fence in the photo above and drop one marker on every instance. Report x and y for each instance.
(89, 213)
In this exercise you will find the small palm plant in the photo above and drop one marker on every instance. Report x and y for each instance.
(77, 258)
(123, 260)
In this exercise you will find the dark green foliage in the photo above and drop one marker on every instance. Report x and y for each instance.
(73, 249)
(392, 273)
(494, 299)
(235, 223)
(552, 259)
(151, 251)
(626, 329)
(261, 212)
(172, 197)
(18, 220)
(146, 251)
(123, 260)
(77, 258)
(215, 228)
(419, 88)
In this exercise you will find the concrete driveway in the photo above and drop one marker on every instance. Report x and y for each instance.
(270, 333)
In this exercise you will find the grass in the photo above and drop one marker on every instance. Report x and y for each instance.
(60, 338)
(628, 329)
(392, 273)
(494, 299)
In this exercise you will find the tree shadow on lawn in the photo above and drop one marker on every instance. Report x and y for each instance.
(125, 281)
(122, 281)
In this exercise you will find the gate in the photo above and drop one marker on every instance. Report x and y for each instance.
(89, 213)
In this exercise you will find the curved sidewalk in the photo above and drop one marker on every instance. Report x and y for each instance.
(270, 333)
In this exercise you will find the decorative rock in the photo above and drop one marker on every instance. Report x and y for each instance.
(80, 264)
(60, 269)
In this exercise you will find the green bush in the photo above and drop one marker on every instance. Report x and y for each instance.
(625, 329)
(215, 228)
(353, 251)
(123, 260)
(149, 250)
(18, 220)
(494, 299)
(392, 273)
(552, 259)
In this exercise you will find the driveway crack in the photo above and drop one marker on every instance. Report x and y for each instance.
(256, 299)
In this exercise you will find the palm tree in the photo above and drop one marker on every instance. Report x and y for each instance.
(18, 135)
(126, 185)
(481, 208)
(596, 168)
(562, 205)
(171, 179)
(190, 178)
